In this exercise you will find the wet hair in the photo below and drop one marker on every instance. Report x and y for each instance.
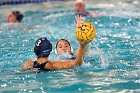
(63, 40)
(80, 1)
(18, 15)
(71, 49)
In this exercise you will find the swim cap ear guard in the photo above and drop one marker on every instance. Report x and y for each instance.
(42, 47)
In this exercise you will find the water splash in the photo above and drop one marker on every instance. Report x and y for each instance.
(103, 57)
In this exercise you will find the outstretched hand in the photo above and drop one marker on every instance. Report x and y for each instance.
(79, 20)
(83, 43)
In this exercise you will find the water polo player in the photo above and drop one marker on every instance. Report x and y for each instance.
(63, 45)
(15, 17)
(64, 50)
(85, 32)
(80, 9)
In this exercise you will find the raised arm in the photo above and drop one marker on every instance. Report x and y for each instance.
(86, 50)
(80, 54)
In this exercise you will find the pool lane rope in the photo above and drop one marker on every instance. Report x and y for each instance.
(15, 2)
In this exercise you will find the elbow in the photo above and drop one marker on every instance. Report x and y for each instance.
(79, 63)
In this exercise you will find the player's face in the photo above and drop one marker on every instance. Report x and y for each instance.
(11, 17)
(79, 7)
(63, 46)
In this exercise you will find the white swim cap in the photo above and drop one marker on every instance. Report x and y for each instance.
(80, 1)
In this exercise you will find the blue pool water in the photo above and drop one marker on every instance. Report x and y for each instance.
(113, 67)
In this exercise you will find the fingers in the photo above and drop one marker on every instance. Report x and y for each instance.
(76, 18)
(75, 23)
(79, 17)
(83, 43)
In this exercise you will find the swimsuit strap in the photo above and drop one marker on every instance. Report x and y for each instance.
(40, 66)
(72, 58)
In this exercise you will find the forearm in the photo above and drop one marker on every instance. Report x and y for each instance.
(27, 65)
(81, 53)
(85, 50)
(61, 65)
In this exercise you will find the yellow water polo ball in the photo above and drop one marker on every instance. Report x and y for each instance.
(85, 32)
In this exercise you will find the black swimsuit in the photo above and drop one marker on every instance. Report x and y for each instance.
(40, 67)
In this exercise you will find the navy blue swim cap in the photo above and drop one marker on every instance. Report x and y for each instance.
(43, 47)
(18, 15)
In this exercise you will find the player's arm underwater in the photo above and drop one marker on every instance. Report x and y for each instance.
(27, 65)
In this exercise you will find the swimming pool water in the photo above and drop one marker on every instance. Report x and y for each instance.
(118, 37)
